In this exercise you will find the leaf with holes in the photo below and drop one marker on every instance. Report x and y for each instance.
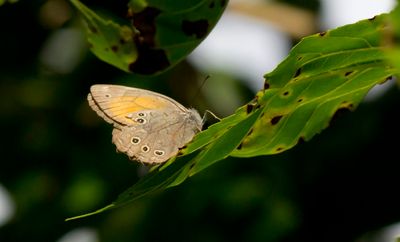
(170, 29)
(322, 75)
(162, 33)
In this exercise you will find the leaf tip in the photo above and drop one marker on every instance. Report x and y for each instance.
(90, 214)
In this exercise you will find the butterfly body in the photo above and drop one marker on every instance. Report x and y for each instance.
(149, 127)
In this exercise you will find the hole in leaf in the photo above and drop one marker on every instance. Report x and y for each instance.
(249, 108)
(114, 48)
(276, 119)
(298, 72)
(389, 78)
(348, 73)
(266, 85)
(92, 29)
(198, 28)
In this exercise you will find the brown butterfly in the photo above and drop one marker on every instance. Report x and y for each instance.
(149, 127)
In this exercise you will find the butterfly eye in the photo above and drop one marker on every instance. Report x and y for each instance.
(159, 152)
(145, 148)
(141, 114)
(135, 140)
(141, 120)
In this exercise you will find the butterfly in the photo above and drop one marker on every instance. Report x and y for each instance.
(148, 127)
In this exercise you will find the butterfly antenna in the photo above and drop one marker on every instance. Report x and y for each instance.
(199, 89)
(207, 111)
(212, 114)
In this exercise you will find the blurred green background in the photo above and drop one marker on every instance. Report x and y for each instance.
(57, 159)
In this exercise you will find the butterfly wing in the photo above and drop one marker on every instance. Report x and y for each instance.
(158, 139)
(115, 103)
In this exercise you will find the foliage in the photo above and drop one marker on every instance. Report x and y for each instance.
(162, 33)
(323, 74)
(57, 159)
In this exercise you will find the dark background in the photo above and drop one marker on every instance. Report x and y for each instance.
(57, 159)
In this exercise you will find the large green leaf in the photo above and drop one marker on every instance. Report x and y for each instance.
(322, 75)
(162, 33)
(108, 40)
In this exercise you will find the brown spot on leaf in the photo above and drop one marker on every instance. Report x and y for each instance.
(286, 93)
(250, 132)
(298, 72)
(323, 33)
(348, 73)
(249, 108)
(299, 58)
(279, 149)
(240, 146)
(266, 85)
(299, 100)
(150, 60)
(197, 28)
(276, 119)
(389, 78)
(191, 166)
(144, 21)
(346, 104)
(114, 48)
(92, 29)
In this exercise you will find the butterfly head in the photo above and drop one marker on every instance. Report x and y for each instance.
(195, 117)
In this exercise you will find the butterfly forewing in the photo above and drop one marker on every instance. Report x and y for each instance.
(117, 102)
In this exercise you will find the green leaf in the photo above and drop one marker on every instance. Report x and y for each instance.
(108, 40)
(171, 29)
(393, 52)
(323, 74)
(161, 35)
